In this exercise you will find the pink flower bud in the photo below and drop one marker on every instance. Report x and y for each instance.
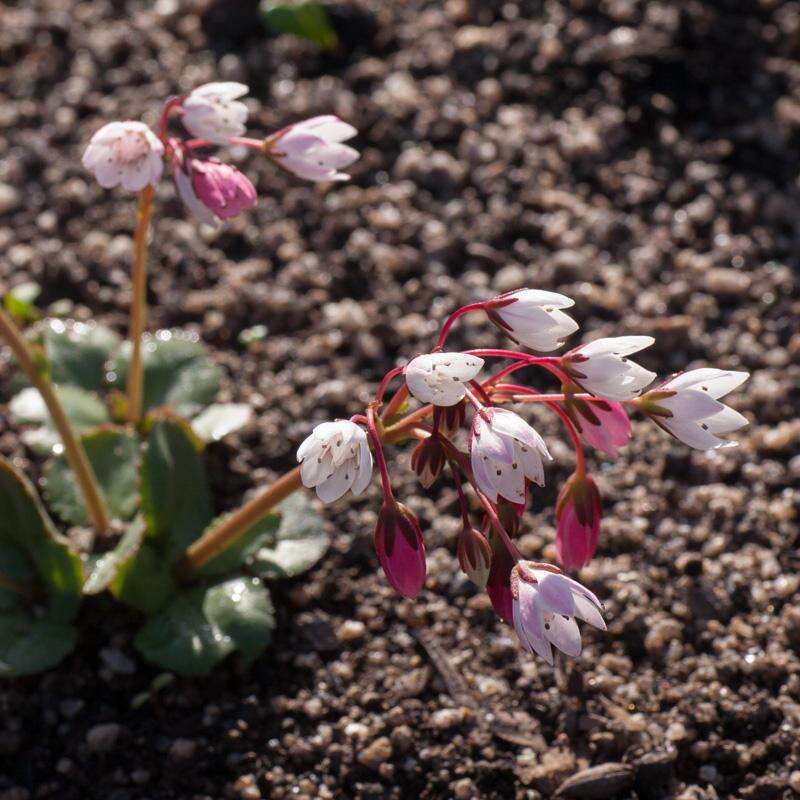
(212, 190)
(602, 424)
(401, 551)
(449, 419)
(578, 513)
(474, 556)
(428, 459)
(498, 586)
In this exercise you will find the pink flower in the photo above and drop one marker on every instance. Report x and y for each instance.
(602, 424)
(126, 153)
(474, 556)
(214, 112)
(578, 514)
(212, 190)
(313, 149)
(401, 551)
(545, 606)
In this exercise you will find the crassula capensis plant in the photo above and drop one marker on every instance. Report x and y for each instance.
(122, 425)
(199, 581)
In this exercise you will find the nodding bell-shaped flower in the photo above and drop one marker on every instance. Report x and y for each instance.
(313, 149)
(505, 450)
(533, 318)
(401, 551)
(212, 190)
(441, 378)
(602, 424)
(545, 606)
(687, 406)
(428, 459)
(125, 153)
(474, 555)
(578, 514)
(602, 367)
(212, 111)
(334, 458)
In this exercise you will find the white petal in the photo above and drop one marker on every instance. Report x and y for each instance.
(692, 434)
(563, 633)
(338, 484)
(726, 421)
(616, 345)
(538, 297)
(508, 479)
(691, 405)
(717, 382)
(586, 610)
(556, 594)
(327, 127)
(480, 470)
(364, 469)
(315, 470)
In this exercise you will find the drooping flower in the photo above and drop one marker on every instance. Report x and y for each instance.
(602, 424)
(313, 149)
(533, 317)
(401, 551)
(505, 450)
(545, 606)
(428, 459)
(602, 367)
(578, 514)
(126, 153)
(687, 406)
(212, 111)
(474, 555)
(440, 378)
(212, 190)
(334, 458)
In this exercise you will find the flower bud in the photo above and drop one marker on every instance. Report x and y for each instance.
(448, 420)
(428, 459)
(532, 317)
(401, 551)
(498, 585)
(474, 556)
(578, 514)
(602, 424)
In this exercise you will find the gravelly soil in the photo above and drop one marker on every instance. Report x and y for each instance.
(638, 156)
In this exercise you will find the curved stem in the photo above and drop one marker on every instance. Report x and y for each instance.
(394, 405)
(450, 321)
(573, 434)
(163, 123)
(73, 448)
(384, 385)
(550, 363)
(139, 306)
(379, 456)
(497, 525)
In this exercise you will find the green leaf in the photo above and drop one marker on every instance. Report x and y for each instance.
(220, 419)
(243, 550)
(308, 20)
(105, 568)
(78, 352)
(114, 456)
(19, 302)
(202, 626)
(301, 541)
(144, 581)
(29, 645)
(25, 525)
(177, 373)
(176, 499)
(84, 410)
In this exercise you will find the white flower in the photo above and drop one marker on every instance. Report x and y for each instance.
(440, 378)
(334, 458)
(126, 153)
(545, 605)
(533, 318)
(600, 367)
(688, 407)
(212, 112)
(313, 149)
(504, 451)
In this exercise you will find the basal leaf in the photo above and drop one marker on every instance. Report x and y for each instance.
(105, 568)
(114, 456)
(178, 373)
(307, 20)
(29, 645)
(78, 352)
(220, 419)
(176, 499)
(144, 580)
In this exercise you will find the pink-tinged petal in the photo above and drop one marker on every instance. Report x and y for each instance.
(613, 430)
(556, 594)
(563, 633)
(586, 610)
(575, 543)
(327, 127)
(401, 550)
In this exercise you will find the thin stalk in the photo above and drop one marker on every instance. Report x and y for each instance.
(451, 320)
(139, 306)
(384, 385)
(393, 406)
(73, 448)
(380, 459)
(580, 467)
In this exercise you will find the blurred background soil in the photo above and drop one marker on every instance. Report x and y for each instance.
(641, 157)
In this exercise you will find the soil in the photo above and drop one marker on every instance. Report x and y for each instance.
(640, 157)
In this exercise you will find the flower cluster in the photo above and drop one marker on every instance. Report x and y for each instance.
(506, 455)
(131, 155)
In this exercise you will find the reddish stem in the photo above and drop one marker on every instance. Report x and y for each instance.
(387, 379)
(573, 434)
(171, 105)
(450, 321)
(497, 525)
(379, 456)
